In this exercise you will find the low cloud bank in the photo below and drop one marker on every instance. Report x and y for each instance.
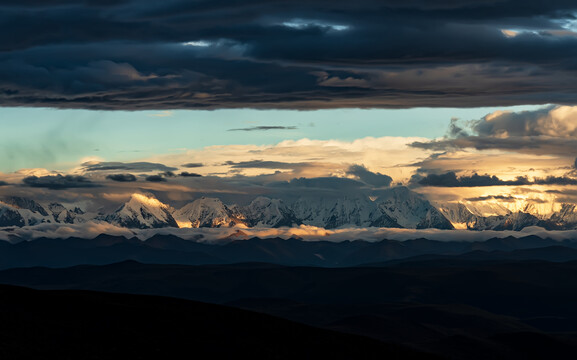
(90, 230)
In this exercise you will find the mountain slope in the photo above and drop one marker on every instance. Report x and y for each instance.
(207, 212)
(411, 210)
(142, 212)
(332, 213)
(10, 216)
(566, 215)
(396, 207)
(267, 212)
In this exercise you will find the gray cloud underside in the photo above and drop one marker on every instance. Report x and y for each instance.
(167, 174)
(450, 179)
(243, 189)
(493, 197)
(533, 145)
(188, 174)
(135, 166)
(180, 190)
(156, 178)
(369, 177)
(192, 165)
(121, 177)
(130, 55)
(58, 182)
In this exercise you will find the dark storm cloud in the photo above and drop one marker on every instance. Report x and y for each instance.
(192, 165)
(369, 177)
(187, 174)
(155, 178)
(285, 54)
(265, 128)
(450, 179)
(135, 166)
(330, 183)
(538, 146)
(121, 177)
(556, 180)
(318, 187)
(505, 198)
(58, 182)
(167, 174)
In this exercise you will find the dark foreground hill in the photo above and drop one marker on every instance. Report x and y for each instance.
(91, 325)
(459, 310)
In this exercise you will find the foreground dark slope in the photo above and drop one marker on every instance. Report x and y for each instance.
(90, 325)
(462, 310)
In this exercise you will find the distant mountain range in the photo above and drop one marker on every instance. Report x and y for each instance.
(170, 249)
(398, 207)
(466, 216)
(18, 211)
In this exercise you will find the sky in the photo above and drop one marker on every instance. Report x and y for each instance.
(460, 100)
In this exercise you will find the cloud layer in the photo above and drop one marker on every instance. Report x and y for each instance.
(286, 54)
(510, 148)
(90, 230)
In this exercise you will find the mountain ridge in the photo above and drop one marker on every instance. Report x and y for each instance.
(396, 207)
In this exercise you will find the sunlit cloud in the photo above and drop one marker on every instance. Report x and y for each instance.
(306, 233)
(510, 33)
(310, 158)
(197, 43)
(302, 24)
(165, 113)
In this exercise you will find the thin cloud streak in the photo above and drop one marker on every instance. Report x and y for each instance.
(307, 233)
(265, 128)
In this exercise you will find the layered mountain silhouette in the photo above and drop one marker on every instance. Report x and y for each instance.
(96, 325)
(170, 249)
(475, 310)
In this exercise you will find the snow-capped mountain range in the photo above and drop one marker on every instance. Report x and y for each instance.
(18, 211)
(398, 207)
(142, 212)
(493, 216)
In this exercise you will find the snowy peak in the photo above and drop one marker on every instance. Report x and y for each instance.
(567, 213)
(332, 213)
(23, 203)
(458, 214)
(207, 212)
(491, 216)
(264, 211)
(64, 215)
(517, 221)
(393, 207)
(17, 211)
(142, 212)
(9, 216)
(411, 210)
